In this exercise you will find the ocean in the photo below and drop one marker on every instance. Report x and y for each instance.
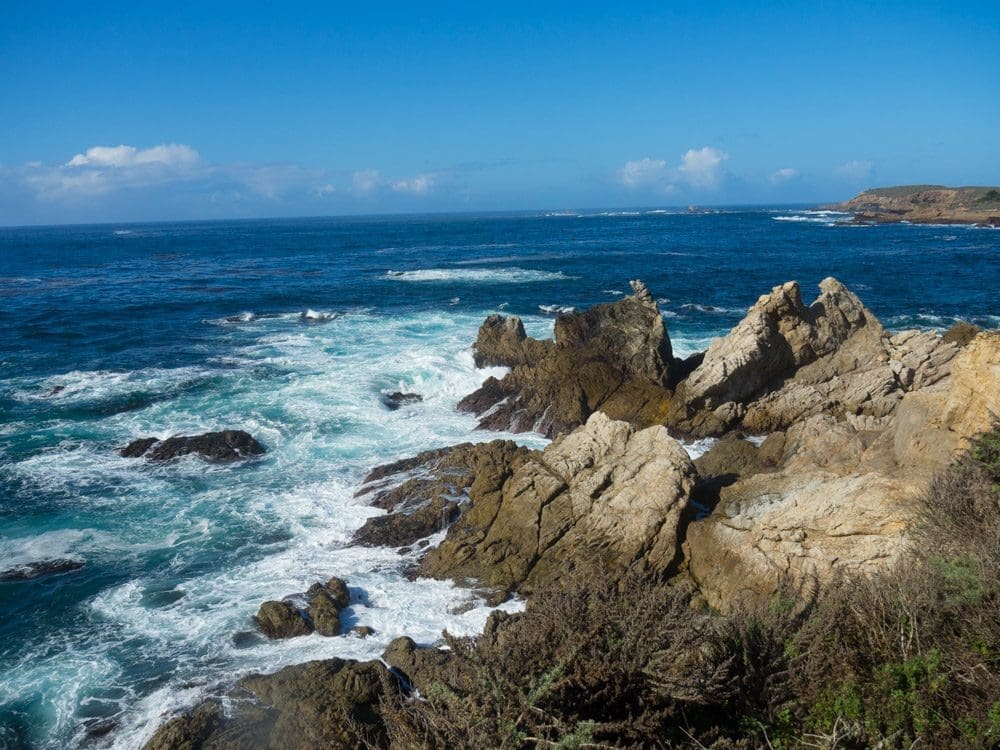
(293, 330)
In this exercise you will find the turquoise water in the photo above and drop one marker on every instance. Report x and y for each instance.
(108, 333)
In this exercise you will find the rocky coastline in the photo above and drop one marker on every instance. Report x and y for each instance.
(925, 204)
(829, 429)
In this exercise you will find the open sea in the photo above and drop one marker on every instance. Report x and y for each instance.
(292, 330)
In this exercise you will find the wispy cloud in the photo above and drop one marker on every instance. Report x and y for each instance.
(642, 172)
(855, 170)
(365, 181)
(166, 154)
(418, 185)
(785, 174)
(699, 168)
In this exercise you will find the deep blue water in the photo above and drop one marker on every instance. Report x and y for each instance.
(113, 332)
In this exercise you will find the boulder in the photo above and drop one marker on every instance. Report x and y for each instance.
(961, 333)
(223, 447)
(615, 358)
(282, 620)
(605, 494)
(190, 730)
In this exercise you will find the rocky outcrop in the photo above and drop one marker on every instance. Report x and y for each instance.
(840, 496)
(332, 704)
(926, 204)
(321, 613)
(615, 358)
(425, 494)
(605, 493)
(223, 447)
(784, 362)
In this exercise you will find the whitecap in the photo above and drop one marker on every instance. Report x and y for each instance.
(477, 275)
(557, 309)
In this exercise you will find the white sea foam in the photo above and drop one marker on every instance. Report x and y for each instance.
(311, 395)
(556, 309)
(477, 275)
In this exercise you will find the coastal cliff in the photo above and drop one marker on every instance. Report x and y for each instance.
(687, 601)
(925, 204)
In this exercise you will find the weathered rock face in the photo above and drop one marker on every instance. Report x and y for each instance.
(615, 358)
(785, 362)
(282, 620)
(841, 495)
(431, 499)
(332, 703)
(604, 493)
(225, 447)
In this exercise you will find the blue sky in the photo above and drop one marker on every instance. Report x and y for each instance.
(118, 112)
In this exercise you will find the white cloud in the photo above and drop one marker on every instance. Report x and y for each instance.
(642, 171)
(321, 191)
(784, 175)
(365, 181)
(702, 167)
(418, 185)
(166, 154)
(699, 168)
(855, 170)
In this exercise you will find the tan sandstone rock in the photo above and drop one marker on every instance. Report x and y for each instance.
(604, 493)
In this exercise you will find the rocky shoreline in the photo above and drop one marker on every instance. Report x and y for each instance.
(850, 425)
(925, 204)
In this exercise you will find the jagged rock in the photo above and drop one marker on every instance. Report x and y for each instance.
(431, 500)
(605, 492)
(224, 447)
(423, 667)
(785, 362)
(841, 496)
(188, 731)
(502, 342)
(332, 703)
(398, 399)
(615, 358)
(282, 620)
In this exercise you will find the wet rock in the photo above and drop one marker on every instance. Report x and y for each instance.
(362, 631)
(604, 493)
(425, 494)
(407, 527)
(188, 731)
(398, 399)
(282, 620)
(323, 611)
(423, 667)
(615, 358)
(223, 447)
(38, 569)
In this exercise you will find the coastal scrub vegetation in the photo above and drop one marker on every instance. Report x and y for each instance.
(910, 658)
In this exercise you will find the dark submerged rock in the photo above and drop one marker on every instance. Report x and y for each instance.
(398, 399)
(33, 570)
(224, 447)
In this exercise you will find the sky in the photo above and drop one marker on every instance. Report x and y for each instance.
(115, 112)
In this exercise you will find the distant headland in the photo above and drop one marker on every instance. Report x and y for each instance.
(926, 204)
